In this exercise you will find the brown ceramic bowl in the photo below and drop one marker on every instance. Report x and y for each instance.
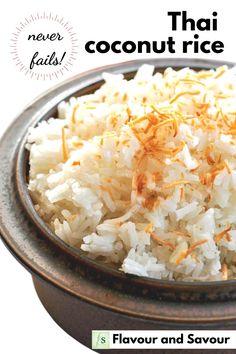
(79, 293)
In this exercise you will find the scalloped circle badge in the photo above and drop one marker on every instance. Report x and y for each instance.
(44, 46)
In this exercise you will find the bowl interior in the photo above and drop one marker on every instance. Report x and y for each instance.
(95, 268)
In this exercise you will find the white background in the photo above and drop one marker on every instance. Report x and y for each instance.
(25, 327)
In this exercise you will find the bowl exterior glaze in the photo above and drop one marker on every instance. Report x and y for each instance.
(81, 294)
(79, 318)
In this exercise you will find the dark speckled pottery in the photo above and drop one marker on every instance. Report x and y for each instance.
(81, 294)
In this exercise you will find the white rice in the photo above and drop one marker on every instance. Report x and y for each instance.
(155, 195)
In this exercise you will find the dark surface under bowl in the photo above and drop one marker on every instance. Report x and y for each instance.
(81, 294)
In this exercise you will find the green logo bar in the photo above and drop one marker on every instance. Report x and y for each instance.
(100, 340)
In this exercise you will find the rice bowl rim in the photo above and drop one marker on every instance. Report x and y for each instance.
(68, 88)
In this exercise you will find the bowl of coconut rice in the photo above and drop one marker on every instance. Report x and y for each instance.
(118, 194)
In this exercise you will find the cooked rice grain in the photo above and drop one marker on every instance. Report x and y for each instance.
(143, 173)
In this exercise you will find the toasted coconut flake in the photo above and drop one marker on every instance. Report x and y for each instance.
(175, 127)
(194, 256)
(191, 81)
(208, 198)
(230, 132)
(114, 121)
(228, 237)
(138, 120)
(195, 168)
(220, 71)
(222, 234)
(181, 233)
(176, 97)
(178, 148)
(128, 111)
(156, 177)
(224, 271)
(210, 160)
(207, 179)
(125, 97)
(147, 127)
(159, 112)
(65, 152)
(175, 183)
(152, 118)
(140, 183)
(181, 257)
(73, 116)
(162, 242)
(182, 193)
(151, 200)
(149, 228)
(195, 245)
(154, 86)
(226, 121)
(185, 254)
(78, 144)
(226, 164)
(76, 163)
(164, 122)
(222, 96)
(124, 142)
